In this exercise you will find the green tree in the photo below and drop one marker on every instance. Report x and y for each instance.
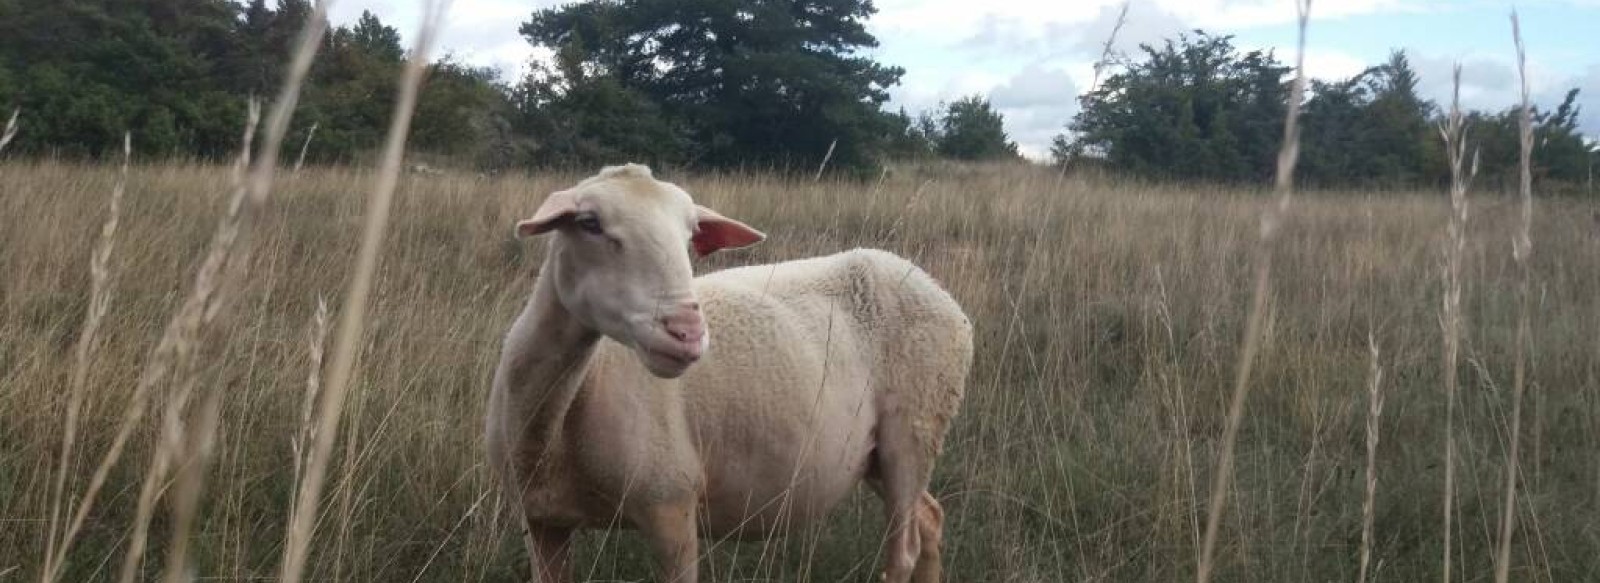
(176, 75)
(85, 72)
(1399, 141)
(912, 138)
(374, 38)
(1191, 109)
(1561, 154)
(972, 130)
(1371, 130)
(1333, 123)
(766, 82)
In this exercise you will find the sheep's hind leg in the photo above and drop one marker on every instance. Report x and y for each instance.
(930, 532)
(902, 481)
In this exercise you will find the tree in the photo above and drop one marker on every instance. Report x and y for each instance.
(1371, 130)
(1192, 109)
(1399, 142)
(576, 119)
(773, 82)
(149, 68)
(1561, 154)
(372, 37)
(972, 130)
(176, 75)
(912, 138)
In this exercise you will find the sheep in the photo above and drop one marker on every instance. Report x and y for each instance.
(611, 405)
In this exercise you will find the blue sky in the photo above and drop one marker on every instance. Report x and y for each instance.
(1030, 57)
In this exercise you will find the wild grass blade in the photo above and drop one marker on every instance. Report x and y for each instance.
(1453, 132)
(10, 131)
(353, 311)
(1271, 224)
(1521, 248)
(1369, 498)
(100, 292)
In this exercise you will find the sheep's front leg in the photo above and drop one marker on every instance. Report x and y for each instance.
(549, 554)
(670, 528)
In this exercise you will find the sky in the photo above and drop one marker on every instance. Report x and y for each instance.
(1031, 57)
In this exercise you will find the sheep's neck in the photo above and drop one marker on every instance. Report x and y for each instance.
(550, 352)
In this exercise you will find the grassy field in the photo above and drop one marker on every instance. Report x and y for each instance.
(1109, 320)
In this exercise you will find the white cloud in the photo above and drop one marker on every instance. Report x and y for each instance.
(1589, 96)
(1486, 84)
(479, 32)
(1329, 64)
(1032, 57)
(1235, 14)
(1037, 103)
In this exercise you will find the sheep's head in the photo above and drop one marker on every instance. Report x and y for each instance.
(620, 259)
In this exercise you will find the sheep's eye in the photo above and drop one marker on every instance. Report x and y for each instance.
(589, 223)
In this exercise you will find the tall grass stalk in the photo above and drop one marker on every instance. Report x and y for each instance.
(1453, 131)
(825, 158)
(347, 341)
(219, 276)
(1369, 499)
(316, 349)
(174, 359)
(1271, 225)
(1521, 249)
(1107, 48)
(301, 161)
(1106, 56)
(213, 283)
(159, 364)
(10, 131)
(99, 303)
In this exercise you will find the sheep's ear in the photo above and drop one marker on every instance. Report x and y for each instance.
(557, 207)
(715, 232)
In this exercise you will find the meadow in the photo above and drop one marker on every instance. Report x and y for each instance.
(1109, 317)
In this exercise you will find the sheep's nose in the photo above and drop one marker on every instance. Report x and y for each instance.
(686, 326)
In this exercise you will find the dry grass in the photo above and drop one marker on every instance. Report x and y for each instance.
(1109, 324)
(1521, 247)
(1271, 229)
(347, 343)
(1374, 416)
(10, 131)
(1453, 132)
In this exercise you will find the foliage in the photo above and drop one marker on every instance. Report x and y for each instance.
(1371, 129)
(708, 82)
(912, 138)
(1193, 109)
(176, 74)
(1196, 109)
(775, 84)
(1561, 154)
(972, 130)
(967, 129)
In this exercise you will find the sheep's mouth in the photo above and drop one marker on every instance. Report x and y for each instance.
(670, 356)
(665, 361)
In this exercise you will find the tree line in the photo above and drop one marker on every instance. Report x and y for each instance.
(176, 75)
(767, 84)
(759, 84)
(1196, 108)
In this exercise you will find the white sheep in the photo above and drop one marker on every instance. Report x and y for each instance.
(611, 405)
